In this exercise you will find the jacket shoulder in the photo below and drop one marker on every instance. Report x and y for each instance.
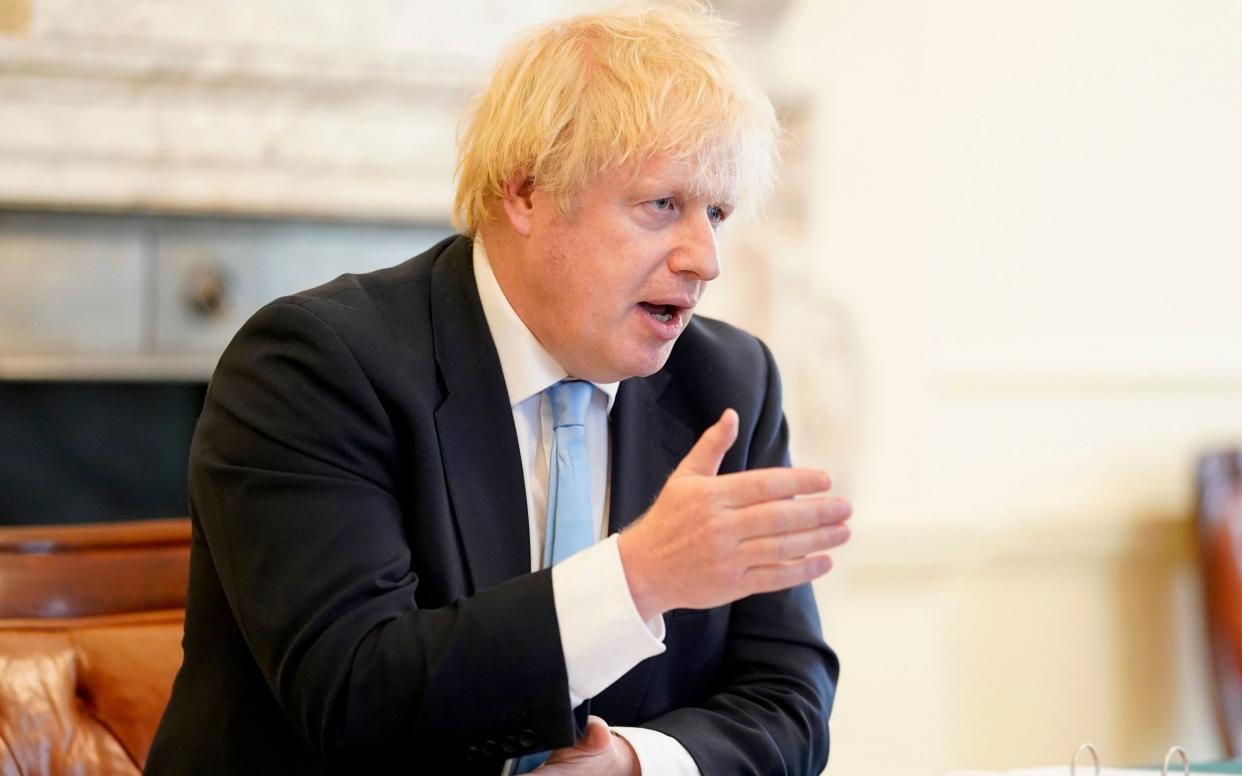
(354, 293)
(378, 323)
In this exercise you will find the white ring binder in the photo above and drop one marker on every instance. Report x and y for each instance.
(1095, 759)
(1180, 752)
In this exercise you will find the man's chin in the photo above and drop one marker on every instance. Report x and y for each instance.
(651, 361)
(640, 362)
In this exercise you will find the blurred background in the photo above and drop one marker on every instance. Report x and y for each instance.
(1002, 276)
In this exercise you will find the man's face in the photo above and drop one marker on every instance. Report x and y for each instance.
(608, 289)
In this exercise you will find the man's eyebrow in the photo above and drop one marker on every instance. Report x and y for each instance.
(661, 183)
(679, 188)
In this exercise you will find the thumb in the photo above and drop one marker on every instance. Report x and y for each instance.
(596, 738)
(705, 457)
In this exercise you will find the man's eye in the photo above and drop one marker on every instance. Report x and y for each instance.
(663, 203)
(716, 214)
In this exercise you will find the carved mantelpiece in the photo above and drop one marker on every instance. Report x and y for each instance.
(108, 129)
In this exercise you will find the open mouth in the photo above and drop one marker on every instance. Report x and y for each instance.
(661, 312)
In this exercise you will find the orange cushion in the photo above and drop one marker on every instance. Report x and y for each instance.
(85, 697)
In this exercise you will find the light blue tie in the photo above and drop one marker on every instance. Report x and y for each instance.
(570, 525)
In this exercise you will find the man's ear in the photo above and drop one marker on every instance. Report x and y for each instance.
(518, 204)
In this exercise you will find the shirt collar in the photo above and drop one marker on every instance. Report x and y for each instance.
(527, 367)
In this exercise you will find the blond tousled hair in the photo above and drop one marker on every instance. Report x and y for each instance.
(570, 99)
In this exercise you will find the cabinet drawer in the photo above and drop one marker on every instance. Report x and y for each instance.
(213, 275)
(71, 285)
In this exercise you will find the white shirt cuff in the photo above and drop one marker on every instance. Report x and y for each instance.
(602, 634)
(659, 753)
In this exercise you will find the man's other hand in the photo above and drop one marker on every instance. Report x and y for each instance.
(711, 539)
(597, 753)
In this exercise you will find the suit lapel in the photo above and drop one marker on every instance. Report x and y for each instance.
(478, 444)
(648, 442)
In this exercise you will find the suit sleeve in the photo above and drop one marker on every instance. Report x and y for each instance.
(769, 710)
(292, 477)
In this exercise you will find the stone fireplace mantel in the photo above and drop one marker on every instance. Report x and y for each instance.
(115, 126)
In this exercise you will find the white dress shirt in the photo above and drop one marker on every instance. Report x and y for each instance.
(602, 634)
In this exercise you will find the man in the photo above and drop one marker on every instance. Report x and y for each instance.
(505, 506)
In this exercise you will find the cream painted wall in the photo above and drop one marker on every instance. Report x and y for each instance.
(1024, 223)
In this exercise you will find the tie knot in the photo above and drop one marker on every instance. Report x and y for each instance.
(570, 399)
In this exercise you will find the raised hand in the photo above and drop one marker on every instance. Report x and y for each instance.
(710, 539)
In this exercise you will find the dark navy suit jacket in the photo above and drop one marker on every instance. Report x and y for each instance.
(360, 596)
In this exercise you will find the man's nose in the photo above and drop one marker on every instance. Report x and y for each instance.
(696, 249)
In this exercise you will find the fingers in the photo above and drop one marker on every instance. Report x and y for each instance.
(793, 546)
(761, 485)
(705, 457)
(765, 579)
(789, 515)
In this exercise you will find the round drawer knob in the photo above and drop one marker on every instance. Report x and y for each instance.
(207, 288)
